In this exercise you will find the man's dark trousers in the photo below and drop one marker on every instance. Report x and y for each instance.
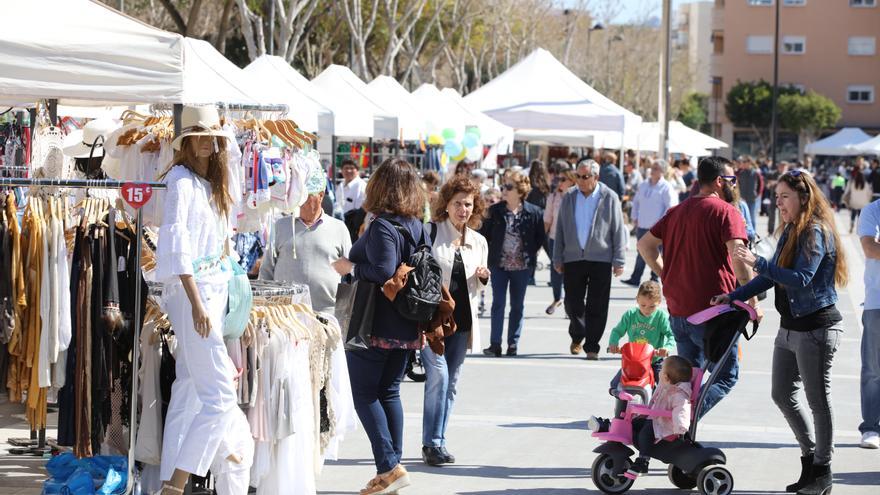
(587, 293)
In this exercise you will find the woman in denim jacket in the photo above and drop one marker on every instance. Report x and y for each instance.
(804, 272)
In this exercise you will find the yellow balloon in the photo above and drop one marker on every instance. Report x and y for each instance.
(444, 160)
(460, 156)
(436, 139)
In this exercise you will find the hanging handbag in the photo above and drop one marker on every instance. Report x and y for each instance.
(355, 306)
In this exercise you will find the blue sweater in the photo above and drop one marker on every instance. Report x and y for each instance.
(376, 256)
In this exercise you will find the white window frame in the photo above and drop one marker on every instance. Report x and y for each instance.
(760, 3)
(861, 88)
(794, 3)
(863, 4)
(753, 51)
(866, 39)
(793, 40)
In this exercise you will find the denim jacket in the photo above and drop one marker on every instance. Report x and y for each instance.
(809, 285)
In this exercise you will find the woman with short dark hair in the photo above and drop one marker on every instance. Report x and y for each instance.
(396, 198)
(515, 232)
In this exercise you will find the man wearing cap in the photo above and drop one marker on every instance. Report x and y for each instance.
(305, 247)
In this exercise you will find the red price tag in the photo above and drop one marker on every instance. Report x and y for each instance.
(136, 195)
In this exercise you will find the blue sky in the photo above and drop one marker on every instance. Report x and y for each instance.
(631, 8)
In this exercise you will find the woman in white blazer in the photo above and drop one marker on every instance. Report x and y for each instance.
(462, 254)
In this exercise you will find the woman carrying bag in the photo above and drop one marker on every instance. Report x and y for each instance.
(394, 195)
(808, 266)
(204, 427)
(461, 253)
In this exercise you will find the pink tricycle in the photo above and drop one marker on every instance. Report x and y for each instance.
(691, 465)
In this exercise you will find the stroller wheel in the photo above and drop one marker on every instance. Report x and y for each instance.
(680, 479)
(715, 480)
(604, 477)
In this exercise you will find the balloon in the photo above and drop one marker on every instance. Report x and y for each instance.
(453, 148)
(436, 140)
(460, 156)
(475, 131)
(470, 140)
(475, 154)
(444, 159)
(449, 133)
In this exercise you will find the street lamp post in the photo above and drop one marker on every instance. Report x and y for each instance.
(774, 121)
(663, 104)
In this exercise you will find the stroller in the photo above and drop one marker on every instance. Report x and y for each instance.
(691, 465)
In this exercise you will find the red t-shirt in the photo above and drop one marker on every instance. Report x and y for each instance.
(696, 265)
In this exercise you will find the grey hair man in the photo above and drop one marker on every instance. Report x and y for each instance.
(305, 246)
(590, 245)
(652, 200)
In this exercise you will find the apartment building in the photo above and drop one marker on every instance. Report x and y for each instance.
(693, 32)
(828, 46)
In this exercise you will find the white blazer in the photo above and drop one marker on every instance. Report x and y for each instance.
(474, 254)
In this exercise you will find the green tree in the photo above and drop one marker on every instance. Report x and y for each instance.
(749, 104)
(694, 110)
(807, 114)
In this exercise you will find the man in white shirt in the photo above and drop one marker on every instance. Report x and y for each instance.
(350, 193)
(652, 200)
(869, 233)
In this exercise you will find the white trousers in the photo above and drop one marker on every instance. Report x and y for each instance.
(204, 424)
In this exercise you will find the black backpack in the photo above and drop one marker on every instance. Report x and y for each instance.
(420, 297)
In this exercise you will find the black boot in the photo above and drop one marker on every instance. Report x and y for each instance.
(806, 472)
(821, 483)
(433, 456)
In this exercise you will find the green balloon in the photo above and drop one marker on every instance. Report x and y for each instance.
(448, 133)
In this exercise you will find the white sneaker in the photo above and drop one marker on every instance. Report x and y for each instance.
(870, 440)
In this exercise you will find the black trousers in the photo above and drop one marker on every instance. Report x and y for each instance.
(587, 292)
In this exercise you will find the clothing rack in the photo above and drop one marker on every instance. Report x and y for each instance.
(259, 288)
(108, 184)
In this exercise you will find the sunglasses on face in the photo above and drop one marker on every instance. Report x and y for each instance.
(508, 187)
(583, 177)
(730, 178)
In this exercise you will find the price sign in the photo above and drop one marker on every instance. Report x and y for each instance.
(136, 195)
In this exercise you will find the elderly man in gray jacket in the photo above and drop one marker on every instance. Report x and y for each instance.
(590, 244)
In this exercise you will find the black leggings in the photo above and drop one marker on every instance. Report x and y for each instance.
(643, 436)
(853, 215)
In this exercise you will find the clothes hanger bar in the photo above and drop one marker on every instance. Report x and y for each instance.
(74, 183)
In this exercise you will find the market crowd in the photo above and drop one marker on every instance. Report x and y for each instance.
(582, 211)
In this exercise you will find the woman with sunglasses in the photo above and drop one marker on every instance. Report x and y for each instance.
(515, 232)
(808, 266)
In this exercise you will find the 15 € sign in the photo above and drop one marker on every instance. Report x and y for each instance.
(136, 195)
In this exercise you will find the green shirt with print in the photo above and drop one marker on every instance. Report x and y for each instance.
(653, 329)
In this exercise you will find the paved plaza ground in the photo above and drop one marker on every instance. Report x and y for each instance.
(519, 425)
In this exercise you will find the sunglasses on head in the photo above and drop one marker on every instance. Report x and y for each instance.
(508, 187)
(794, 173)
(730, 178)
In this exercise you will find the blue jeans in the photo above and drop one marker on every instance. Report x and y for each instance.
(870, 385)
(689, 341)
(518, 281)
(440, 387)
(754, 208)
(640, 262)
(555, 277)
(375, 376)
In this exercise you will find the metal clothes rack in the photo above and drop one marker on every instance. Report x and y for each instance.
(259, 288)
(109, 184)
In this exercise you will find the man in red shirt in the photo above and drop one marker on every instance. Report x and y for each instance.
(698, 237)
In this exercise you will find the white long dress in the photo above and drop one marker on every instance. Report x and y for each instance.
(204, 423)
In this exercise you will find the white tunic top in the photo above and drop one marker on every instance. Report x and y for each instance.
(191, 228)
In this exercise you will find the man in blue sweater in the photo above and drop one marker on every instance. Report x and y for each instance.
(610, 175)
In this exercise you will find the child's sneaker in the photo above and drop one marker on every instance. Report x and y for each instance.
(600, 425)
(638, 468)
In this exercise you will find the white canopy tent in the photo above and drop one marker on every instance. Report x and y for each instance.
(439, 113)
(539, 93)
(492, 132)
(209, 78)
(350, 91)
(84, 53)
(388, 93)
(841, 143)
(304, 102)
(870, 147)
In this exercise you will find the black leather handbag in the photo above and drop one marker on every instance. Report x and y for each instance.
(355, 306)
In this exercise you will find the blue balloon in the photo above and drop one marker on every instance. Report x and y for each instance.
(452, 148)
(470, 140)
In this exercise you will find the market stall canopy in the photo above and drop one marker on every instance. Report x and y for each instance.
(870, 147)
(540, 93)
(492, 132)
(440, 114)
(841, 143)
(388, 93)
(209, 77)
(350, 91)
(85, 53)
(682, 139)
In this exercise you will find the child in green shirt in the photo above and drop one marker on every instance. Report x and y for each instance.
(647, 323)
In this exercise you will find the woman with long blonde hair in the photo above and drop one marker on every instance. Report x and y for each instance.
(204, 429)
(808, 266)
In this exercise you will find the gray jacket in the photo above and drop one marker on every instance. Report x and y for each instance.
(607, 240)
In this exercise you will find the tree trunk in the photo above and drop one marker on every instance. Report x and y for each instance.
(220, 42)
